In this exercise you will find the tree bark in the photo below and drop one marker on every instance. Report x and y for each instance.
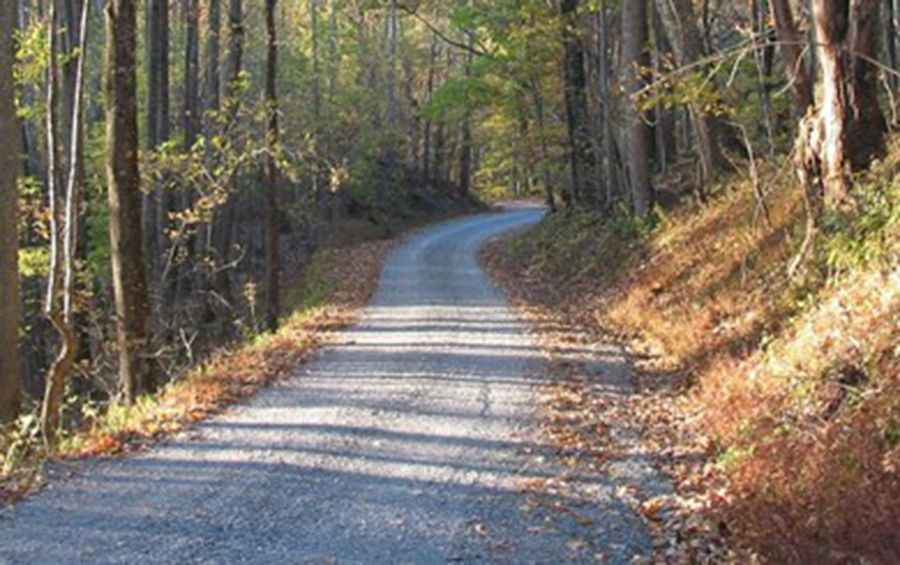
(848, 130)
(791, 41)
(614, 189)
(128, 265)
(429, 124)
(581, 155)
(273, 259)
(213, 55)
(10, 305)
(191, 110)
(223, 232)
(465, 155)
(687, 42)
(316, 60)
(634, 59)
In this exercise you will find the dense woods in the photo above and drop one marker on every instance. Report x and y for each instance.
(172, 166)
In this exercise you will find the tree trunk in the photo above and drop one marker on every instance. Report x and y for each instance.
(333, 54)
(760, 38)
(465, 156)
(273, 262)
(867, 126)
(223, 227)
(191, 110)
(213, 55)
(426, 150)
(128, 265)
(614, 190)
(635, 58)
(10, 371)
(851, 127)
(890, 36)
(64, 220)
(157, 67)
(581, 155)
(540, 117)
(316, 60)
(791, 41)
(681, 25)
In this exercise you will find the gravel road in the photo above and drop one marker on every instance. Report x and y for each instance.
(407, 442)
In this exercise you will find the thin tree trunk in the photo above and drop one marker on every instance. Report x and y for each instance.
(635, 58)
(687, 42)
(760, 38)
(123, 177)
(613, 179)
(317, 66)
(426, 150)
(333, 55)
(213, 55)
(10, 305)
(156, 213)
(867, 126)
(191, 110)
(542, 145)
(465, 157)
(223, 228)
(152, 209)
(577, 118)
(273, 262)
(64, 229)
(790, 39)
(890, 36)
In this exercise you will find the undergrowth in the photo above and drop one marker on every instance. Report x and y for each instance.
(786, 390)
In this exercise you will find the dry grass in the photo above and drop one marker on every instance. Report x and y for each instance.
(790, 432)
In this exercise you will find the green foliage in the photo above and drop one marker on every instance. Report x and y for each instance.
(20, 441)
(32, 59)
(868, 235)
(34, 262)
(629, 227)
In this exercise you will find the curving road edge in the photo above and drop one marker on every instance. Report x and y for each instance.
(410, 441)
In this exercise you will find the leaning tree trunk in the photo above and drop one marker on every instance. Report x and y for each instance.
(123, 177)
(635, 58)
(10, 372)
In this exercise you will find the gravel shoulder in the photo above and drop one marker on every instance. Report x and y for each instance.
(408, 441)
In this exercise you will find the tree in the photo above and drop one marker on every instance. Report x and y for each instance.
(848, 129)
(577, 118)
(213, 47)
(10, 372)
(634, 59)
(64, 228)
(123, 177)
(156, 212)
(273, 262)
(465, 154)
(687, 42)
(790, 40)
